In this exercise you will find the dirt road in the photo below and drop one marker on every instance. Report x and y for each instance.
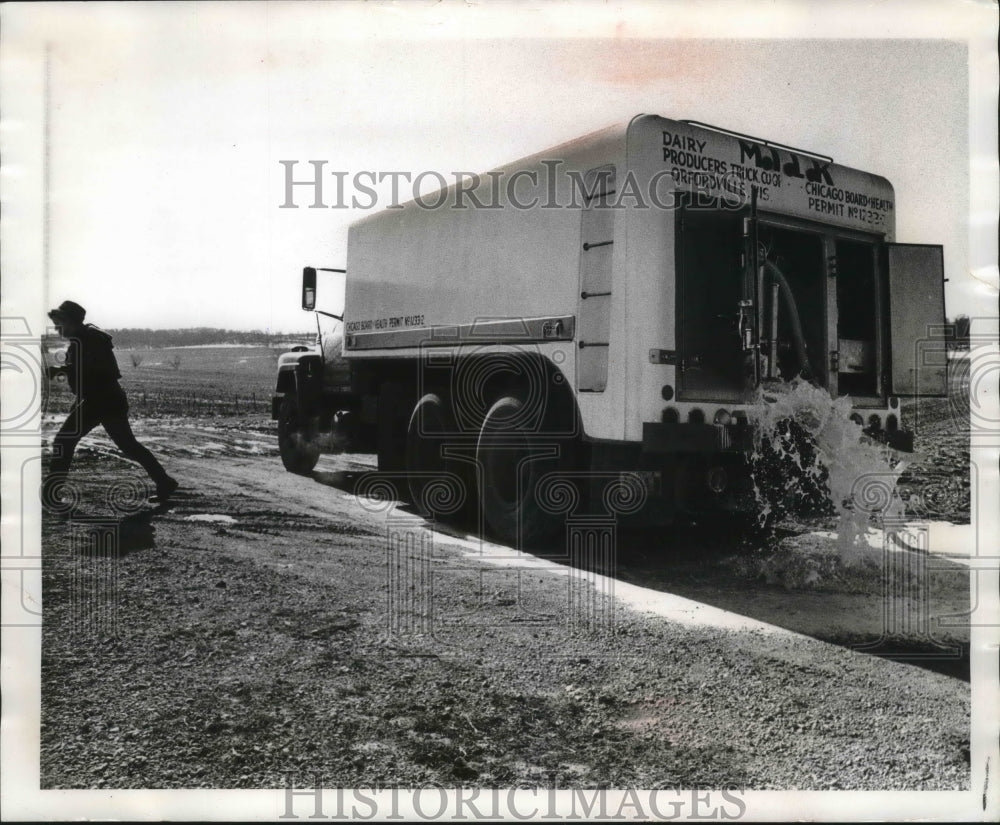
(269, 623)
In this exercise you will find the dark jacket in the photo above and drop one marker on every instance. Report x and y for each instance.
(91, 366)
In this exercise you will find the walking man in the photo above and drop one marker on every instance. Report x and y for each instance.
(92, 372)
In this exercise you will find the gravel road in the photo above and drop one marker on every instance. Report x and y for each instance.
(269, 622)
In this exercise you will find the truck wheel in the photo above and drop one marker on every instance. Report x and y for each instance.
(510, 476)
(427, 433)
(299, 449)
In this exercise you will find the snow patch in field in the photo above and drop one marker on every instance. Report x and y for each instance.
(252, 447)
(215, 518)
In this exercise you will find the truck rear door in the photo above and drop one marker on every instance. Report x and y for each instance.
(710, 285)
(916, 319)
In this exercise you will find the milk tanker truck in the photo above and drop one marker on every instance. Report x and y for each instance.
(611, 308)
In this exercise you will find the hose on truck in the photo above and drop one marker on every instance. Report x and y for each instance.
(793, 314)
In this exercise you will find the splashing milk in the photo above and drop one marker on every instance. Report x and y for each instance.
(808, 454)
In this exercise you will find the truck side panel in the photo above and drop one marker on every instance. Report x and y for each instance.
(416, 274)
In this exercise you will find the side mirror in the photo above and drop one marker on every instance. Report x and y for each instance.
(309, 288)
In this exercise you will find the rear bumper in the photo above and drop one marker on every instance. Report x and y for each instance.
(673, 438)
(694, 468)
(900, 440)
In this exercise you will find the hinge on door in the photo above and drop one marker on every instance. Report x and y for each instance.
(834, 360)
(663, 356)
(831, 266)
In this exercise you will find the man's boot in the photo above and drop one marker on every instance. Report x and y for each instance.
(164, 490)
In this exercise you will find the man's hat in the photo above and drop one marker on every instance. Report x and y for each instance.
(68, 310)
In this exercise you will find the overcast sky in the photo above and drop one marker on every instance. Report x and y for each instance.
(167, 124)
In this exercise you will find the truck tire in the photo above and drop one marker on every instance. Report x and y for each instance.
(298, 447)
(510, 505)
(427, 434)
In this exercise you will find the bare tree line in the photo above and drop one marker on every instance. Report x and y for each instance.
(140, 338)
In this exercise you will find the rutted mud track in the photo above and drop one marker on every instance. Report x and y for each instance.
(267, 622)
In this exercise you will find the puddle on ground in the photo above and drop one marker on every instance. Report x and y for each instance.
(957, 542)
